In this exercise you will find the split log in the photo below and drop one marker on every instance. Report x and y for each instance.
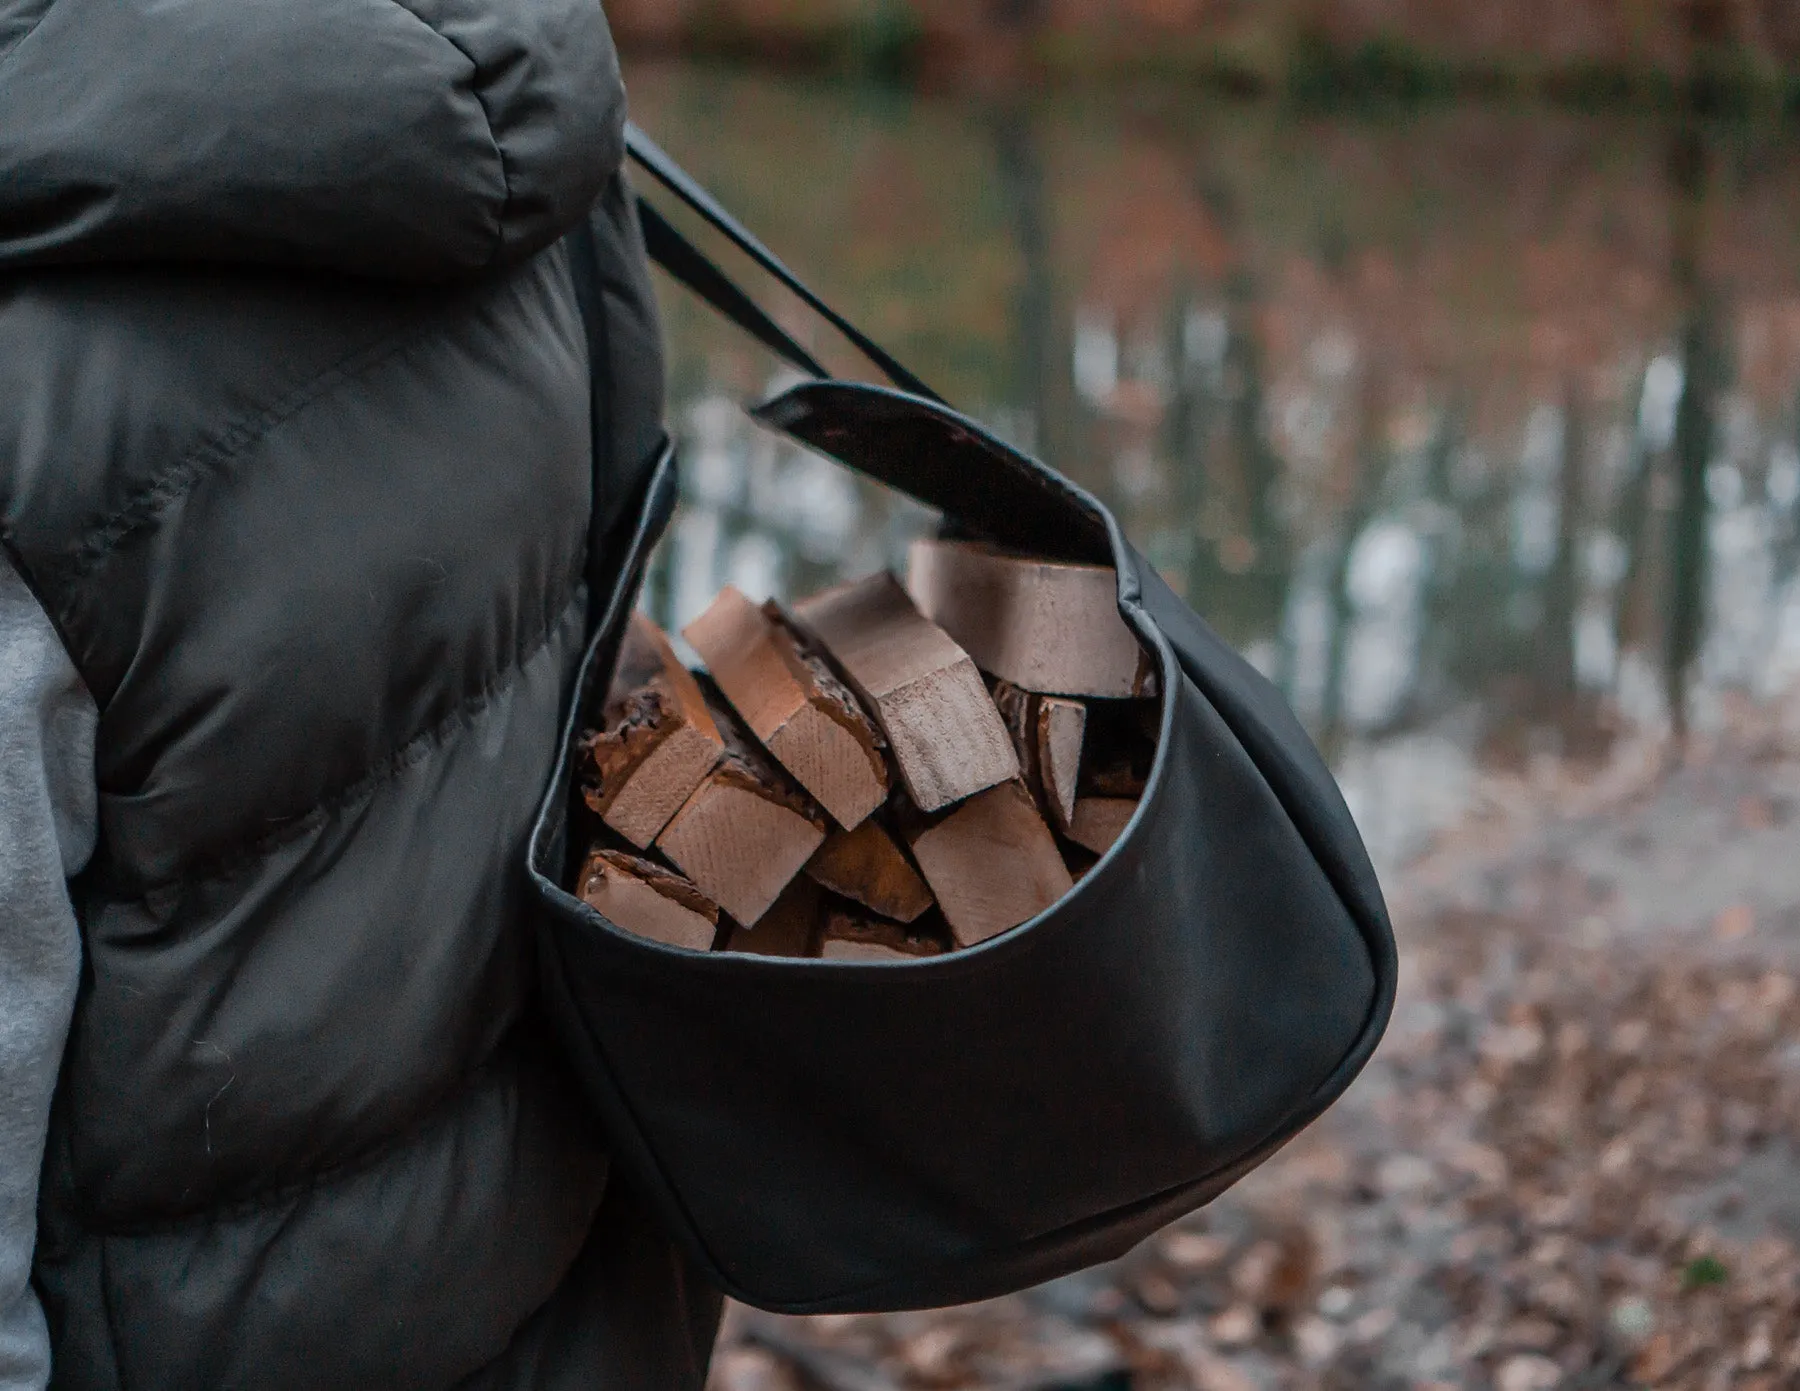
(657, 739)
(794, 704)
(946, 737)
(867, 865)
(746, 830)
(854, 937)
(648, 900)
(992, 862)
(1059, 730)
(1115, 767)
(791, 927)
(1047, 734)
(1099, 821)
(1046, 625)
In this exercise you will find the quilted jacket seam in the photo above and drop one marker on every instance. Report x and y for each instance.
(379, 774)
(7, 55)
(261, 1201)
(219, 448)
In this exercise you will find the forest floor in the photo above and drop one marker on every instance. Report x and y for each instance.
(1574, 1162)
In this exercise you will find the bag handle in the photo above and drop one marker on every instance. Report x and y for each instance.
(908, 438)
(683, 260)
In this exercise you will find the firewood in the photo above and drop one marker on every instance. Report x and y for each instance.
(1115, 766)
(1060, 728)
(791, 927)
(657, 739)
(866, 864)
(746, 830)
(1047, 733)
(992, 862)
(793, 702)
(646, 899)
(854, 937)
(946, 737)
(1046, 625)
(1099, 821)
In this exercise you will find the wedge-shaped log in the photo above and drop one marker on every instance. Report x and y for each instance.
(657, 739)
(648, 900)
(746, 830)
(1047, 734)
(1046, 625)
(992, 862)
(947, 738)
(868, 865)
(853, 937)
(794, 703)
(791, 927)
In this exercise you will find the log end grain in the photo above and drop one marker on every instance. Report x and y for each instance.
(867, 864)
(740, 840)
(1098, 822)
(791, 927)
(925, 693)
(948, 739)
(656, 741)
(793, 704)
(991, 862)
(647, 900)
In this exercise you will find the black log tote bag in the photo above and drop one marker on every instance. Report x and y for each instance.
(835, 1136)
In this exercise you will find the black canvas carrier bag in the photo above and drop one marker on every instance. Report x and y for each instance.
(850, 1136)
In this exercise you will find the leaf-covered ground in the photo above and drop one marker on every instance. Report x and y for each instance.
(1574, 1163)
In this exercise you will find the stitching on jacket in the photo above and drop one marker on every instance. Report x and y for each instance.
(7, 54)
(487, 115)
(508, 1054)
(220, 448)
(409, 755)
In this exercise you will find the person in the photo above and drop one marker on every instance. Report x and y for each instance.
(303, 436)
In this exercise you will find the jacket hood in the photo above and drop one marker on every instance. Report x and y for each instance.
(404, 138)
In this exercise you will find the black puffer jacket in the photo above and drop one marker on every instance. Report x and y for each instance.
(296, 449)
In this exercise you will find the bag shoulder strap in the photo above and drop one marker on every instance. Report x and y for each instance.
(675, 254)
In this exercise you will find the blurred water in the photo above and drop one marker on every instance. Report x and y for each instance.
(1477, 431)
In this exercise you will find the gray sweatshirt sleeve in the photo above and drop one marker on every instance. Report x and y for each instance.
(47, 832)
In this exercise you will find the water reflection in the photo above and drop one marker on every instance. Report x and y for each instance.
(1479, 435)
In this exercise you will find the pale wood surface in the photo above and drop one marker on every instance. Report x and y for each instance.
(792, 702)
(868, 865)
(947, 739)
(1058, 731)
(1099, 821)
(992, 862)
(791, 927)
(647, 900)
(656, 742)
(1048, 626)
(852, 937)
(746, 830)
